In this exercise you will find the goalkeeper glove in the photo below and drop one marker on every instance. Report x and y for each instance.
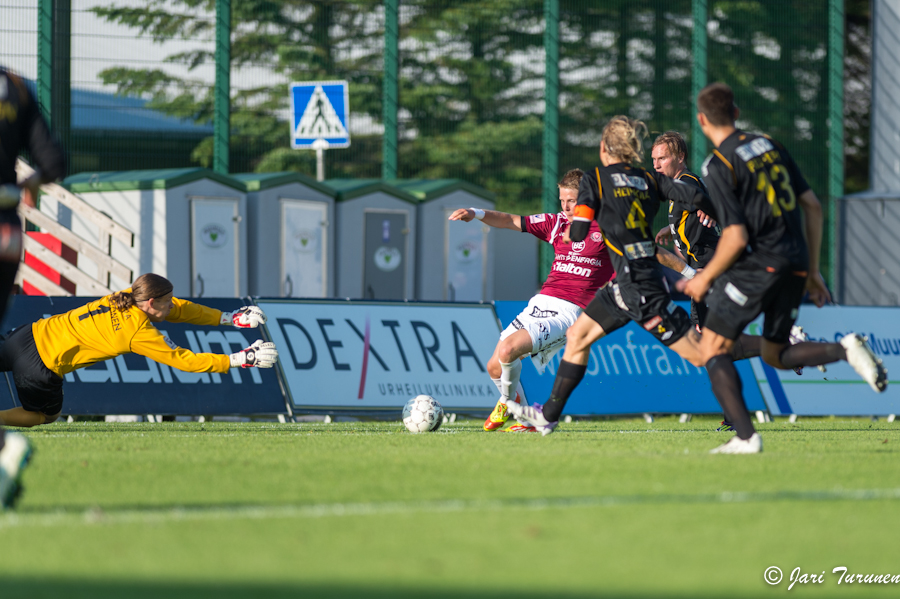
(245, 318)
(261, 354)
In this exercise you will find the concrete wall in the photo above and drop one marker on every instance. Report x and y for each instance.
(868, 244)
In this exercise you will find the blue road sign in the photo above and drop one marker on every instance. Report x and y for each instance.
(319, 111)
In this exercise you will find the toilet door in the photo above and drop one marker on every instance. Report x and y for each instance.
(215, 247)
(304, 243)
(386, 253)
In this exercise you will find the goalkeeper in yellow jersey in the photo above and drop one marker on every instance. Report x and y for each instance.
(40, 354)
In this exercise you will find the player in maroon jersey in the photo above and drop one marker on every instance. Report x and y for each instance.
(579, 270)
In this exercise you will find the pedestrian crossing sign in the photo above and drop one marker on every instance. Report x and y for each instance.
(319, 111)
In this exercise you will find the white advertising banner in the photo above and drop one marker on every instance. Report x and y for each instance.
(374, 355)
(839, 391)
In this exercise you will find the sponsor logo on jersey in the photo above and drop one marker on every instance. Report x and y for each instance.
(578, 246)
(621, 180)
(757, 147)
(537, 218)
(169, 342)
(735, 294)
(517, 324)
(571, 268)
(653, 322)
(597, 236)
(538, 313)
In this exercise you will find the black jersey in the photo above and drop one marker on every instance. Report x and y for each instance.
(23, 128)
(696, 242)
(754, 182)
(625, 199)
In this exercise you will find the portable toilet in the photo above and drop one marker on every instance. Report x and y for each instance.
(453, 259)
(376, 232)
(290, 231)
(190, 225)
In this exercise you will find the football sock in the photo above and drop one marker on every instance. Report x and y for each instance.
(568, 375)
(726, 386)
(509, 379)
(746, 346)
(811, 353)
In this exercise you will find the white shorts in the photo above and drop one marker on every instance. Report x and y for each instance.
(546, 319)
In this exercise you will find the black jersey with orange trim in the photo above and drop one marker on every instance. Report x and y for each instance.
(625, 199)
(754, 182)
(696, 242)
(23, 128)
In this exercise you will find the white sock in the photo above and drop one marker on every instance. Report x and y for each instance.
(499, 385)
(509, 380)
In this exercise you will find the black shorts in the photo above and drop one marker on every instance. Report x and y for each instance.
(747, 290)
(40, 389)
(648, 303)
(699, 312)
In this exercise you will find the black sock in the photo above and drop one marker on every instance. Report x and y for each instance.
(746, 346)
(726, 386)
(568, 375)
(812, 353)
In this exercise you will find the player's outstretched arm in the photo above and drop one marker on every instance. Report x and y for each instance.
(262, 354)
(812, 209)
(492, 218)
(670, 260)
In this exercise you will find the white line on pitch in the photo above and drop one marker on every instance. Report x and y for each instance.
(153, 515)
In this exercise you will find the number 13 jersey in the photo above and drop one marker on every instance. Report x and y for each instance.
(754, 182)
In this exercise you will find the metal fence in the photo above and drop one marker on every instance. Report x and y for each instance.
(507, 94)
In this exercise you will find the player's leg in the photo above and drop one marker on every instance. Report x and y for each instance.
(779, 353)
(40, 390)
(505, 369)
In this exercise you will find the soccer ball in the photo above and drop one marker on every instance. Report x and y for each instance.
(423, 414)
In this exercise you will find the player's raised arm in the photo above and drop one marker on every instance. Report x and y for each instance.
(589, 196)
(492, 218)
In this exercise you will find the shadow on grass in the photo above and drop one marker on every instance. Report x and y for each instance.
(34, 588)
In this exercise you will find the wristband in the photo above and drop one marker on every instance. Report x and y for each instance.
(688, 272)
(479, 213)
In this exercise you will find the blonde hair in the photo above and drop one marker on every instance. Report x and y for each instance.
(623, 136)
(147, 286)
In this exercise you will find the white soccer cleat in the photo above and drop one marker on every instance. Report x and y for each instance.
(861, 357)
(738, 445)
(13, 458)
(532, 415)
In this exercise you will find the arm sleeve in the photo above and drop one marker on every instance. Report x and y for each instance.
(46, 153)
(588, 206)
(149, 342)
(539, 225)
(727, 209)
(191, 313)
(683, 193)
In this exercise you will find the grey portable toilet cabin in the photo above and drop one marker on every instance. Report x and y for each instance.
(867, 272)
(453, 259)
(190, 225)
(376, 232)
(290, 231)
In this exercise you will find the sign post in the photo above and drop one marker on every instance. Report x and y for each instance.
(320, 111)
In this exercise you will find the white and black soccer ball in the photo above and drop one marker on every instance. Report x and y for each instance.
(423, 414)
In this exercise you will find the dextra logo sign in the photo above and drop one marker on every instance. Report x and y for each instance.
(361, 352)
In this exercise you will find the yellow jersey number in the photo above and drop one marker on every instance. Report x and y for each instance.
(782, 199)
(637, 219)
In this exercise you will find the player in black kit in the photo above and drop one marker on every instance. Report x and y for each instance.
(763, 263)
(624, 198)
(21, 128)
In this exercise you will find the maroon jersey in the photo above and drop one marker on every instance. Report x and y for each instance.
(580, 268)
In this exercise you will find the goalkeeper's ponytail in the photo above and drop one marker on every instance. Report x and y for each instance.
(147, 286)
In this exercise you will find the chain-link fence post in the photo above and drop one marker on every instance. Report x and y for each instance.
(390, 90)
(222, 118)
(698, 81)
(550, 145)
(835, 128)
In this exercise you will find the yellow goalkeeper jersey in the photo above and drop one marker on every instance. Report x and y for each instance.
(98, 331)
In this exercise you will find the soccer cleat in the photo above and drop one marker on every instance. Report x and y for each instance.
(519, 428)
(738, 445)
(497, 418)
(861, 357)
(726, 426)
(797, 336)
(13, 458)
(533, 415)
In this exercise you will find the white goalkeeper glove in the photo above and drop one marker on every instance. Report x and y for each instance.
(248, 317)
(262, 354)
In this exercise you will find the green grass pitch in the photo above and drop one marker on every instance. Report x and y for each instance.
(600, 509)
